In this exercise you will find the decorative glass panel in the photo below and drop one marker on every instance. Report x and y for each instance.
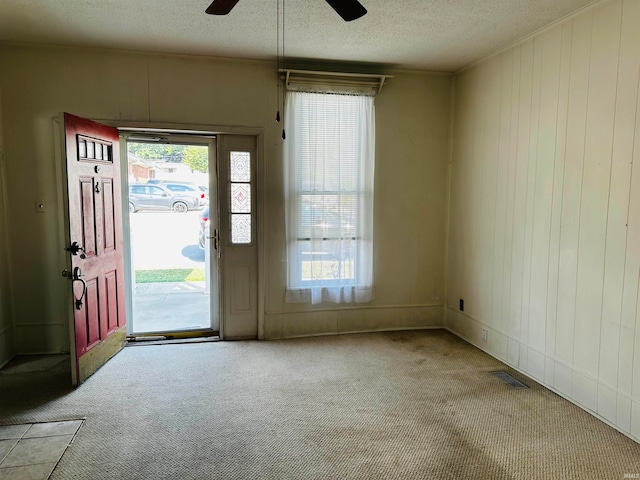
(105, 152)
(98, 151)
(240, 167)
(240, 228)
(240, 198)
(82, 149)
(91, 150)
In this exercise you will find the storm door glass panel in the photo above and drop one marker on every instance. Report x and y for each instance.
(240, 197)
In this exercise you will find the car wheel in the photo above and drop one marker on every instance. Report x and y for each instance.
(180, 207)
(132, 208)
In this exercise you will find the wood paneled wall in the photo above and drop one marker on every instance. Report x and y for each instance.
(544, 237)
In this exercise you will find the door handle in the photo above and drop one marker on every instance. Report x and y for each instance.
(215, 239)
(77, 273)
(75, 277)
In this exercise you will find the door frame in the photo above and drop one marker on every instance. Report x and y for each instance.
(186, 130)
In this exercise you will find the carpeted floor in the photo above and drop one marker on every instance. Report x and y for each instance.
(402, 405)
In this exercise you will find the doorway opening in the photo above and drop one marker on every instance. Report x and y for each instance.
(170, 202)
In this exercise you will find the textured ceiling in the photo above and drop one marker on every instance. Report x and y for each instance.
(438, 35)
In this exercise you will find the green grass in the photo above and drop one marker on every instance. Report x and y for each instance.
(170, 275)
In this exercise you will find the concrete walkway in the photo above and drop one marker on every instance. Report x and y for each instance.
(170, 306)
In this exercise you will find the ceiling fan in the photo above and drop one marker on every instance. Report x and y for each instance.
(348, 9)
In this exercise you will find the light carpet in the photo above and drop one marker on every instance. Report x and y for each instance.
(402, 405)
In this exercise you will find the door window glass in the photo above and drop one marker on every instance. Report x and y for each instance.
(240, 197)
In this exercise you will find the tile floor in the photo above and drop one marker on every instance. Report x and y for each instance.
(31, 451)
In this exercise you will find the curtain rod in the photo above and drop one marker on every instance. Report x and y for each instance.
(317, 73)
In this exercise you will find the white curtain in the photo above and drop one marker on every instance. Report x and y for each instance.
(329, 165)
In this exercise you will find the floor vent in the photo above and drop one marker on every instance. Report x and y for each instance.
(509, 380)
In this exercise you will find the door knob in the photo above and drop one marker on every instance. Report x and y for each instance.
(76, 248)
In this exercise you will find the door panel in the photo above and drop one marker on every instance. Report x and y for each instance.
(240, 295)
(238, 242)
(108, 214)
(95, 224)
(92, 313)
(88, 238)
(111, 280)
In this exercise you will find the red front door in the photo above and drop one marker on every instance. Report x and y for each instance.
(95, 244)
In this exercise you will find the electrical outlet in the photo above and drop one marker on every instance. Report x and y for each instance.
(485, 334)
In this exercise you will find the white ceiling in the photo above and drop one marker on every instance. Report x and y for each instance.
(437, 35)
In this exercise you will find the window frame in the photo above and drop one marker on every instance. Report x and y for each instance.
(357, 190)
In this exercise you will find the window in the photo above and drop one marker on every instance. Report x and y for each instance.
(240, 197)
(329, 164)
(179, 188)
(155, 191)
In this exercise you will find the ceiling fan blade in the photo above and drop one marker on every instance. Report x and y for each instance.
(348, 9)
(221, 7)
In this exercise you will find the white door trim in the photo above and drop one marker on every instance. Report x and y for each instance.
(261, 182)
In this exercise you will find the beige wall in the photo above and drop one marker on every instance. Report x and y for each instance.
(6, 323)
(412, 131)
(544, 239)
